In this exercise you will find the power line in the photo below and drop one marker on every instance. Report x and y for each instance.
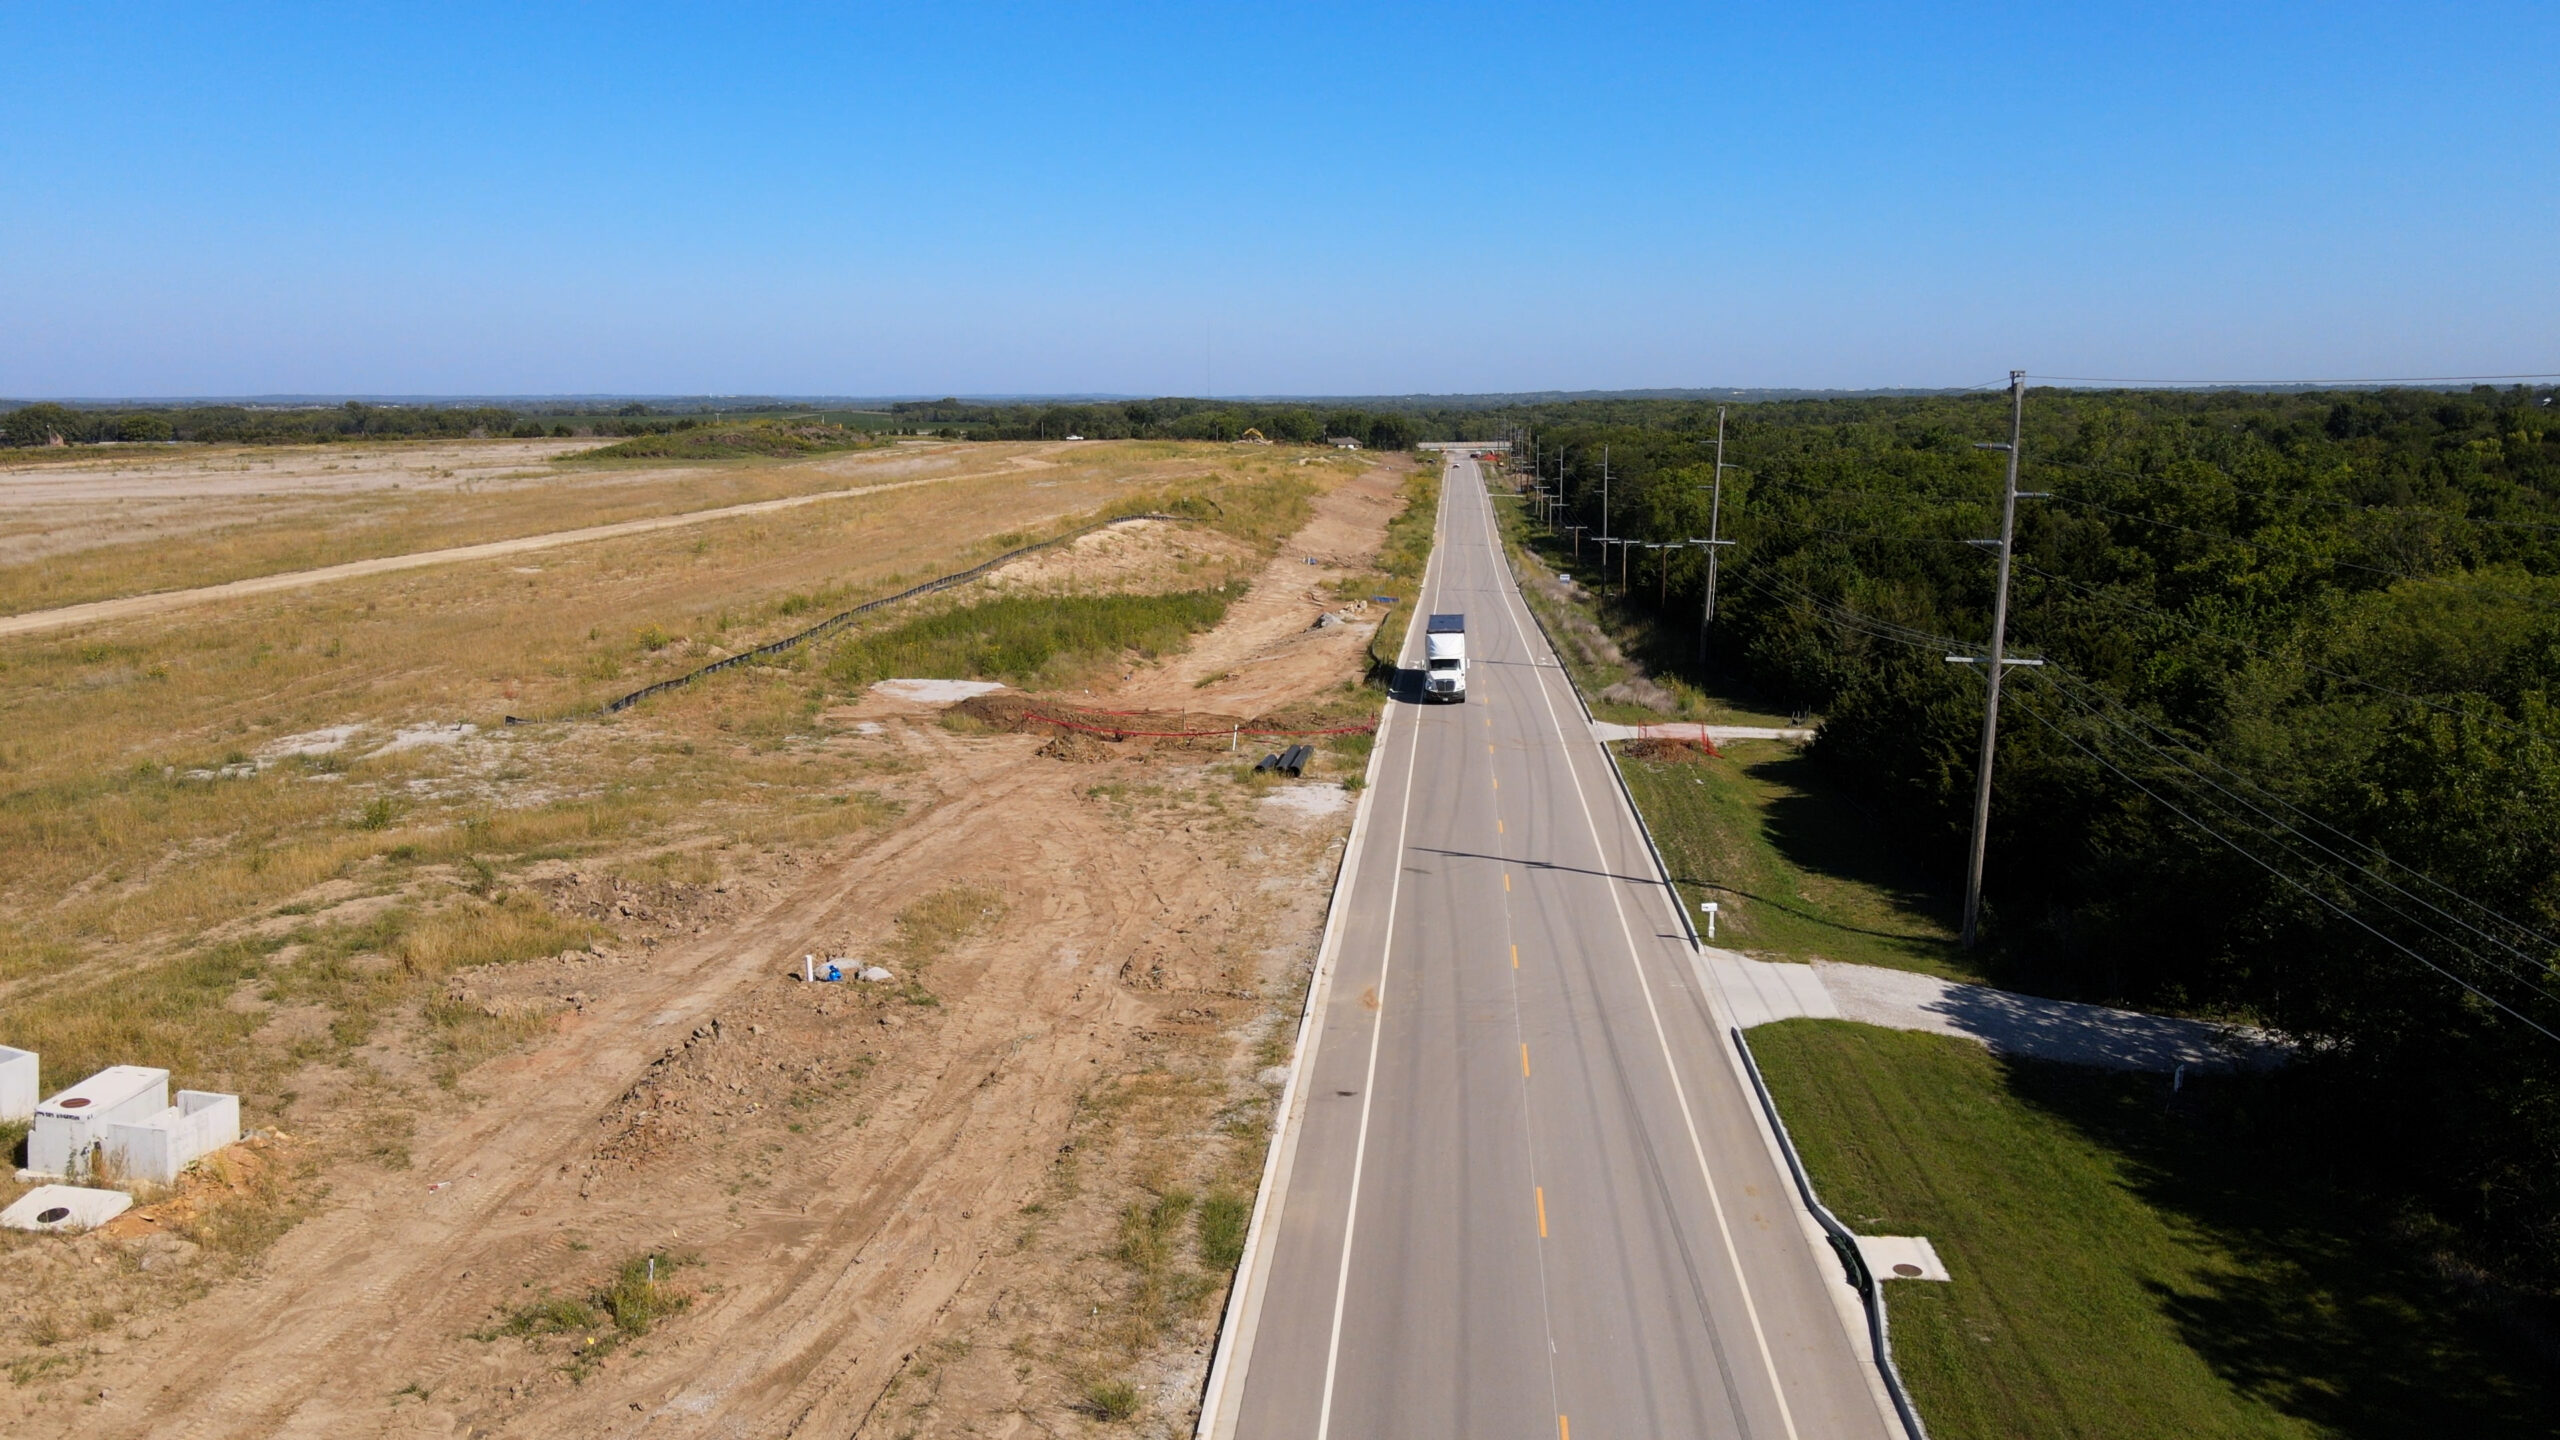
(2345, 880)
(2318, 898)
(2304, 384)
(1867, 534)
(1861, 621)
(1919, 639)
(2192, 628)
(2332, 561)
(1923, 640)
(2091, 688)
(2282, 496)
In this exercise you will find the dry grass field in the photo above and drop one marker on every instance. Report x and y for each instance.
(94, 527)
(289, 846)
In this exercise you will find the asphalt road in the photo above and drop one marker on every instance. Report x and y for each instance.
(1526, 1195)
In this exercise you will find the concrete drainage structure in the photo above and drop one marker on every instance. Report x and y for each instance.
(18, 1090)
(64, 1207)
(120, 1120)
(156, 1149)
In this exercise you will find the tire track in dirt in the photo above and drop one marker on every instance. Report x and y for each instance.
(829, 1275)
(130, 607)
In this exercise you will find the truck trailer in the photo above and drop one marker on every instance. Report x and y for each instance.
(1444, 648)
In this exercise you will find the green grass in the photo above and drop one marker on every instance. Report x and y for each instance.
(621, 1310)
(1030, 639)
(1799, 870)
(1224, 1214)
(731, 441)
(2132, 1263)
(1604, 639)
(1402, 557)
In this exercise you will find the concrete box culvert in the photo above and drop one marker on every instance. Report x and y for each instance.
(18, 1084)
(154, 1150)
(70, 1126)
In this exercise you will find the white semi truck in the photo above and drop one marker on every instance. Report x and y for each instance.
(1444, 649)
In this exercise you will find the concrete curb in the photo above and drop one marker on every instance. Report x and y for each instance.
(1222, 1394)
(1865, 1319)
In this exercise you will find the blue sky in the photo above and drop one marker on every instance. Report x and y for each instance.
(1150, 199)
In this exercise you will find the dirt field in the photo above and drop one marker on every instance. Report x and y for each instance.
(992, 1195)
(92, 528)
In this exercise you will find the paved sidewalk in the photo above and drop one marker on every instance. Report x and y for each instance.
(1756, 992)
(1719, 734)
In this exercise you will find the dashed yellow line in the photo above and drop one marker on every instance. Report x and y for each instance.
(1564, 1428)
(1524, 1059)
(1498, 827)
(1506, 882)
(1515, 957)
(1542, 1212)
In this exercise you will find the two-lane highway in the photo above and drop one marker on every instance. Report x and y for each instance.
(1522, 1192)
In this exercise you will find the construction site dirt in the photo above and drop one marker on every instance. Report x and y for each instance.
(995, 1193)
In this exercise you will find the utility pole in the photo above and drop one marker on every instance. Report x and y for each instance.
(1577, 541)
(1715, 539)
(1604, 491)
(1999, 663)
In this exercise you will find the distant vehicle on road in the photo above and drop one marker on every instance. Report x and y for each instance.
(1444, 648)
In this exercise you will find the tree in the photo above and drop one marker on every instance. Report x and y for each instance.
(43, 423)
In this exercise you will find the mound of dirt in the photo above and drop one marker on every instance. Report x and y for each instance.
(1684, 751)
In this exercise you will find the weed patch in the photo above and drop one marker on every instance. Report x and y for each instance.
(1030, 640)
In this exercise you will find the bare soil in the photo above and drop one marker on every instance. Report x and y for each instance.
(970, 1199)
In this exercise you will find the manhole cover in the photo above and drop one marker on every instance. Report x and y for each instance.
(1906, 1270)
(53, 1216)
(74, 1103)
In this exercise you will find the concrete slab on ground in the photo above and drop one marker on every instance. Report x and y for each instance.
(1717, 734)
(64, 1207)
(1759, 991)
(1902, 1257)
(934, 692)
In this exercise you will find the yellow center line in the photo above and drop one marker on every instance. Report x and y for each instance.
(1498, 827)
(1564, 1428)
(1506, 882)
(1542, 1212)
(1515, 957)
(1524, 1059)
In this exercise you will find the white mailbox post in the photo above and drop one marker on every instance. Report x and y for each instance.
(1710, 907)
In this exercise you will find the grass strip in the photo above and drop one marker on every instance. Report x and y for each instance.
(1799, 870)
(2129, 1263)
(1402, 557)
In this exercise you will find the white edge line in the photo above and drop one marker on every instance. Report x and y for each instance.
(1662, 1039)
(1244, 1299)
(1845, 1306)
(1386, 961)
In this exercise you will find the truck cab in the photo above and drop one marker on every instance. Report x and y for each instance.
(1444, 649)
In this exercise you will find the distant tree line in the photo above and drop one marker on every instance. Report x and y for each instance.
(1165, 419)
(2295, 755)
(48, 423)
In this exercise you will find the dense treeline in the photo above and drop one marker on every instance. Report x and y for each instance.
(47, 423)
(2295, 754)
(1170, 419)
